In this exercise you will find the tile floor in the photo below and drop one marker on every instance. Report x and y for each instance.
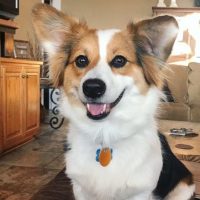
(25, 170)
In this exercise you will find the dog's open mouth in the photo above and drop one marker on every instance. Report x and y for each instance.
(97, 111)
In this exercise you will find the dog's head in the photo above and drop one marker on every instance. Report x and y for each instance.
(105, 74)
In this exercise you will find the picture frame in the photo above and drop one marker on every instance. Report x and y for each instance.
(197, 3)
(21, 49)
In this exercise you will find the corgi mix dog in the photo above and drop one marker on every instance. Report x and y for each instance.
(111, 84)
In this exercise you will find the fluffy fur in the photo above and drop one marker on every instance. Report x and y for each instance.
(130, 100)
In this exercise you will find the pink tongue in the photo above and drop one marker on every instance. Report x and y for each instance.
(96, 109)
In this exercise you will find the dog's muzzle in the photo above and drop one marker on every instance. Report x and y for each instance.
(93, 90)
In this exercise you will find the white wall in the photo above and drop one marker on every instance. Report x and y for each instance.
(113, 13)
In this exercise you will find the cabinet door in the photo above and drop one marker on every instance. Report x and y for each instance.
(12, 104)
(31, 100)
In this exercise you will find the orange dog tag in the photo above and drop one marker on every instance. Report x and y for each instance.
(105, 156)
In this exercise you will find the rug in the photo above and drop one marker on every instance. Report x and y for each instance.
(57, 189)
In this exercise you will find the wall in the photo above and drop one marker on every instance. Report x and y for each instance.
(24, 19)
(113, 13)
(109, 13)
(98, 13)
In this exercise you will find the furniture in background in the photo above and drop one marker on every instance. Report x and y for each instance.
(186, 148)
(19, 101)
(183, 66)
(7, 31)
(50, 104)
(184, 85)
(182, 76)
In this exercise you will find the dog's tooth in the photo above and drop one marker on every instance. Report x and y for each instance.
(88, 106)
(108, 108)
(104, 107)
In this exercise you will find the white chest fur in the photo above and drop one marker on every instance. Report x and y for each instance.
(134, 169)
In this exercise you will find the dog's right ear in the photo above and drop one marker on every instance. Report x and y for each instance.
(57, 32)
(52, 27)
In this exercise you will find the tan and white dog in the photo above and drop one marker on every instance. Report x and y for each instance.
(111, 87)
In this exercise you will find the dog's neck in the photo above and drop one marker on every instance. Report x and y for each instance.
(105, 137)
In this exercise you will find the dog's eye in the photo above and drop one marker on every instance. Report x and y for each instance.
(118, 61)
(82, 61)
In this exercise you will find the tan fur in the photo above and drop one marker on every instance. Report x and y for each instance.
(121, 44)
(87, 46)
(71, 38)
(61, 30)
(151, 56)
(152, 71)
(188, 180)
(181, 191)
(156, 29)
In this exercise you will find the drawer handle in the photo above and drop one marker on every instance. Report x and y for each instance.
(23, 75)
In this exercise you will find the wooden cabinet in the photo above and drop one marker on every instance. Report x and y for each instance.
(19, 101)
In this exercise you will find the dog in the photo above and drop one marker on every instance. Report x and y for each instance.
(111, 83)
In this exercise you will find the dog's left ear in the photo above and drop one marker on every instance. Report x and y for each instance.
(153, 40)
(155, 37)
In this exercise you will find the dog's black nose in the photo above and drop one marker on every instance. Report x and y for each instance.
(94, 88)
